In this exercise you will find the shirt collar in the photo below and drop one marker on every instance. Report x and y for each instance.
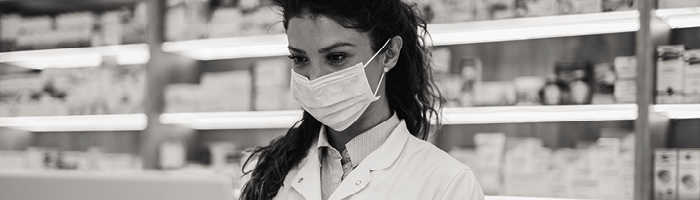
(365, 143)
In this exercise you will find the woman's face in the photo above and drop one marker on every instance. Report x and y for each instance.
(320, 46)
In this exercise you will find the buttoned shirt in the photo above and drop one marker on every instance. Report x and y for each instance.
(335, 166)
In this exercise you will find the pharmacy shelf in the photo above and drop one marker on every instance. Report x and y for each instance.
(524, 198)
(43, 7)
(471, 115)
(124, 122)
(441, 34)
(524, 114)
(680, 17)
(679, 111)
(77, 57)
(233, 120)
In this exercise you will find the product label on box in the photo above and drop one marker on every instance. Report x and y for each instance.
(489, 151)
(626, 67)
(692, 83)
(669, 81)
(692, 77)
(665, 173)
(688, 174)
(678, 3)
(625, 91)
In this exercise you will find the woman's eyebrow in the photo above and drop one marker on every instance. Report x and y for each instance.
(336, 45)
(297, 50)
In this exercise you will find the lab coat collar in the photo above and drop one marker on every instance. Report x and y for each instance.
(386, 154)
(308, 180)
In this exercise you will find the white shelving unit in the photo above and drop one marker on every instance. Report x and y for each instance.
(125, 122)
(466, 115)
(441, 34)
(678, 111)
(680, 17)
(77, 57)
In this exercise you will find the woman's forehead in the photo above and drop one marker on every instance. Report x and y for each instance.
(314, 33)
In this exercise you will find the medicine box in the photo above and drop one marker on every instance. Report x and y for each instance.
(688, 174)
(669, 75)
(692, 76)
(625, 67)
(665, 174)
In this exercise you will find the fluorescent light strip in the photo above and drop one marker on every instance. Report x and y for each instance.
(679, 111)
(442, 34)
(125, 122)
(76, 57)
(476, 115)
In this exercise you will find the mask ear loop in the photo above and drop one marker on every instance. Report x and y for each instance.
(386, 69)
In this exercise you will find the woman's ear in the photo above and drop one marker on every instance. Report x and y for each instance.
(391, 56)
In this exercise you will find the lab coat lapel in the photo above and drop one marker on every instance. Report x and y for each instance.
(307, 181)
(380, 159)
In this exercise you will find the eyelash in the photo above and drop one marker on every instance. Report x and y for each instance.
(296, 59)
(300, 60)
(336, 61)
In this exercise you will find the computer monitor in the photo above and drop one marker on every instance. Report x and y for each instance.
(76, 185)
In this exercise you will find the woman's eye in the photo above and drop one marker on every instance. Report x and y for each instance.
(336, 57)
(298, 59)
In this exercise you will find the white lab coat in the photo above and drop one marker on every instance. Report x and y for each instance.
(404, 167)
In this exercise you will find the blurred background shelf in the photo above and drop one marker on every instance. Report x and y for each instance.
(33, 7)
(441, 34)
(679, 111)
(680, 17)
(233, 120)
(522, 114)
(77, 57)
(122, 122)
(467, 115)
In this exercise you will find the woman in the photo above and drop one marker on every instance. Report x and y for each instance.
(361, 73)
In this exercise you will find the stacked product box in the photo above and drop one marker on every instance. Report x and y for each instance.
(74, 91)
(688, 174)
(678, 3)
(677, 75)
(217, 92)
(75, 29)
(692, 76)
(200, 19)
(669, 74)
(625, 88)
(676, 174)
(271, 85)
(34, 158)
(520, 166)
(489, 150)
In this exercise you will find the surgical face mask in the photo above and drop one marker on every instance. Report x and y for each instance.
(339, 98)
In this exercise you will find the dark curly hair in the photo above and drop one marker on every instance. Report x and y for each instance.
(410, 88)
